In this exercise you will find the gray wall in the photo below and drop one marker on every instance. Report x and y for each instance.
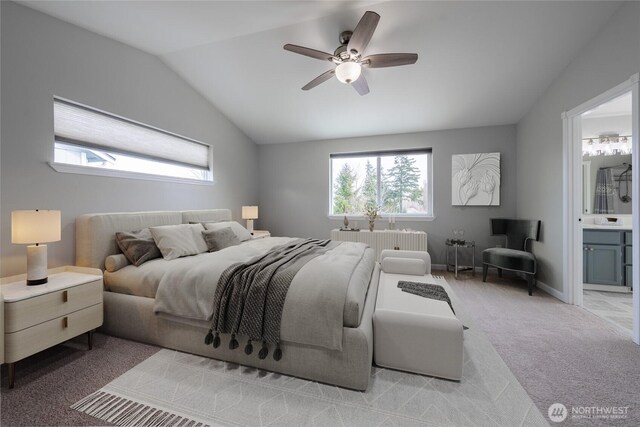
(294, 184)
(608, 60)
(42, 57)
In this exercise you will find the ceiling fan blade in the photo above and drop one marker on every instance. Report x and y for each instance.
(389, 60)
(306, 51)
(363, 33)
(320, 79)
(361, 85)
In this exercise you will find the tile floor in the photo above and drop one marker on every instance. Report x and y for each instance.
(614, 307)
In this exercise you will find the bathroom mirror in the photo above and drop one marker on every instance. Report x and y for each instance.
(606, 158)
(613, 184)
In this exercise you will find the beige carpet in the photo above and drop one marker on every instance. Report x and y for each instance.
(560, 353)
(173, 388)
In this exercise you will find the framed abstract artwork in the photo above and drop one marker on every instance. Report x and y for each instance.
(475, 179)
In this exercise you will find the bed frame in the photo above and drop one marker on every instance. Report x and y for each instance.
(132, 317)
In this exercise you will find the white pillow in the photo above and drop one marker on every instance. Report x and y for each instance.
(175, 241)
(414, 267)
(115, 262)
(242, 233)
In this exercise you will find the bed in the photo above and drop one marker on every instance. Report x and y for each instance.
(131, 311)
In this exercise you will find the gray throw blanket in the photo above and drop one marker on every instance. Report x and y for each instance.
(426, 290)
(250, 296)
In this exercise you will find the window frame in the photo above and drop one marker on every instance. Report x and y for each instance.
(430, 216)
(99, 171)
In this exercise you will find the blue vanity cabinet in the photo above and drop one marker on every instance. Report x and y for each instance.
(628, 259)
(604, 257)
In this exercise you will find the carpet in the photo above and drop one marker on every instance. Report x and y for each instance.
(560, 353)
(174, 388)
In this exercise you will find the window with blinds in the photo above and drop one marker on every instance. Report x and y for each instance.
(88, 140)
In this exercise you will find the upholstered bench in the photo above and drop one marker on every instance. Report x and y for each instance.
(410, 332)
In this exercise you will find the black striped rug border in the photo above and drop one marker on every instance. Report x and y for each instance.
(125, 412)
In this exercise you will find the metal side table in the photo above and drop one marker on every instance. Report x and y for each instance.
(455, 244)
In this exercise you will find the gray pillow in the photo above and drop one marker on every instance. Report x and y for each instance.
(137, 246)
(242, 233)
(220, 239)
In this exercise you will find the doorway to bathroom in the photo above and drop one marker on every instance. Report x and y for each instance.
(607, 214)
(601, 232)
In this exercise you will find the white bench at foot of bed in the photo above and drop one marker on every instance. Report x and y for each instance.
(412, 333)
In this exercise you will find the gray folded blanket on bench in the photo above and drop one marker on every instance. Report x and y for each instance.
(426, 290)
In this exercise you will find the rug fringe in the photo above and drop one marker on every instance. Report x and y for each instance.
(128, 413)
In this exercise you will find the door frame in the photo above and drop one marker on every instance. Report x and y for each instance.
(572, 195)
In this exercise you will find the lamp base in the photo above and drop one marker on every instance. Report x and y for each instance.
(36, 265)
(250, 226)
(37, 282)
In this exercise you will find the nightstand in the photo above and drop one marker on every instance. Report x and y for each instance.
(260, 234)
(39, 317)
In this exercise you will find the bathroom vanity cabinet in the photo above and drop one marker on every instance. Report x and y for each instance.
(607, 257)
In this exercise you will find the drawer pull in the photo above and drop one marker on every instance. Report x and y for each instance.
(65, 322)
(65, 296)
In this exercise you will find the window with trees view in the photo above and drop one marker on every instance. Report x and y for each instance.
(397, 182)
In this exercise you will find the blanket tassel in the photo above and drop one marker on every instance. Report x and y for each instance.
(248, 349)
(264, 351)
(209, 338)
(277, 354)
(233, 344)
(216, 341)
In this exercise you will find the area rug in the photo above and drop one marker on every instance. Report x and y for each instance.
(172, 388)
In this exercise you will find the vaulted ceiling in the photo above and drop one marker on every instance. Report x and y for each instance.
(480, 63)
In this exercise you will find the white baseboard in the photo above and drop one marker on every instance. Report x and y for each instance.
(552, 291)
(606, 288)
(443, 267)
(541, 285)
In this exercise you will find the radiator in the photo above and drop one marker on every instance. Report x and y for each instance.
(385, 239)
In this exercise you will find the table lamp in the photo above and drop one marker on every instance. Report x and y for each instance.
(32, 228)
(250, 213)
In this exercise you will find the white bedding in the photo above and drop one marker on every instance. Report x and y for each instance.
(185, 288)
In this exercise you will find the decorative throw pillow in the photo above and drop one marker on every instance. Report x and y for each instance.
(175, 241)
(242, 233)
(220, 239)
(114, 263)
(137, 246)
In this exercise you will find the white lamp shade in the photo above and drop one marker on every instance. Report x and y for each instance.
(37, 226)
(348, 72)
(249, 212)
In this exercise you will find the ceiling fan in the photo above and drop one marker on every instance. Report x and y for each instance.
(348, 56)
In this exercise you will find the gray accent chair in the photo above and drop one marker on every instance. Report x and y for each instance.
(514, 256)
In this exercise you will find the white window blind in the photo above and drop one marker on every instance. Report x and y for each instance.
(84, 126)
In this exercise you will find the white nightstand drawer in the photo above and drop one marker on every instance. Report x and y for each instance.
(32, 311)
(26, 342)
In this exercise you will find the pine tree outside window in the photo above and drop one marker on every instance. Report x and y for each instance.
(398, 182)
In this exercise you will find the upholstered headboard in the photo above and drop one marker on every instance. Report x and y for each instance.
(95, 233)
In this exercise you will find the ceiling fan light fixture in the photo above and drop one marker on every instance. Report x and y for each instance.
(348, 72)
(348, 56)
